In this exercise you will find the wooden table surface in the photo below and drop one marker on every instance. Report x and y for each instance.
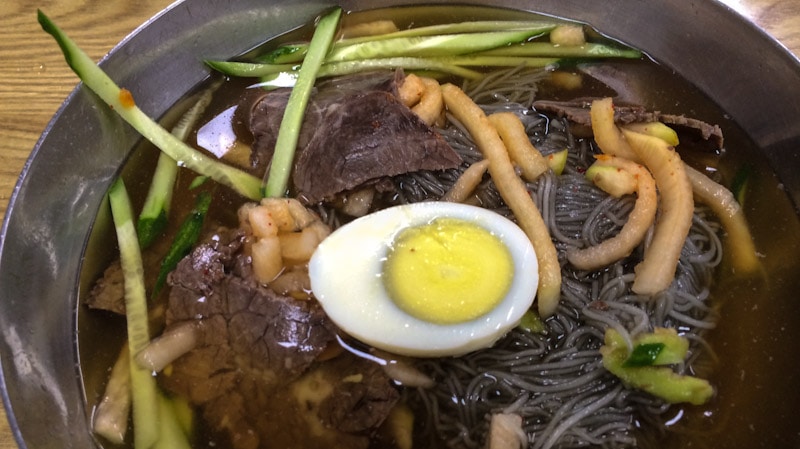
(34, 80)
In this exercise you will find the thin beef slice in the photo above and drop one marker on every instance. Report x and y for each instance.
(256, 355)
(355, 131)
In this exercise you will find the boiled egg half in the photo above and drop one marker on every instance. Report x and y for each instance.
(426, 279)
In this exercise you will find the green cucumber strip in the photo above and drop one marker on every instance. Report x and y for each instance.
(284, 54)
(183, 128)
(546, 49)
(99, 82)
(674, 350)
(532, 322)
(143, 384)
(480, 26)
(428, 46)
(197, 182)
(249, 69)
(433, 64)
(661, 382)
(155, 212)
(184, 413)
(498, 61)
(658, 381)
(243, 69)
(277, 178)
(740, 183)
(643, 355)
(150, 227)
(187, 236)
(172, 432)
(296, 52)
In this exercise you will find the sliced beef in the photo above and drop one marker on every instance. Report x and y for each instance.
(262, 112)
(256, 352)
(348, 397)
(360, 399)
(355, 131)
(108, 292)
(577, 111)
(364, 138)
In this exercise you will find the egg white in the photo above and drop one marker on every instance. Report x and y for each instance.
(345, 273)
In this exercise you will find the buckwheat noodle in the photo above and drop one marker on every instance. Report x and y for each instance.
(556, 380)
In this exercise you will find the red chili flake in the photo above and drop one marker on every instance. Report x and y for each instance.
(126, 98)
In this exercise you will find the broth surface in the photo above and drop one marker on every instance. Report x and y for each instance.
(755, 343)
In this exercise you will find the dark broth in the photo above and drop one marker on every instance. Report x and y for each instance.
(757, 337)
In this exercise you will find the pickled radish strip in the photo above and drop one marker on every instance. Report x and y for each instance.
(739, 242)
(656, 272)
(467, 182)
(608, 137)
(633, 231)
(519, 146)
(513, 192)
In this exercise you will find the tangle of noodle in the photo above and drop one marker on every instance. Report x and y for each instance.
(556, 380)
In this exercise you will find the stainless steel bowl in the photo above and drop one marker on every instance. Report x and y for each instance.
(50, 217)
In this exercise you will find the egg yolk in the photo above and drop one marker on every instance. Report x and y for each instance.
(447, 271)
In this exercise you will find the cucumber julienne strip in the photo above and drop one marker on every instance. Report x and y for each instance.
(428, 46)
(188, 234)
(143, 384)
(432, 64)
(277, 177)
(249, 69)
(534, 27)
(531, 54)
(245, 69)
(120, 100)
(154, 215)
(173, 436)
(296, 52)
(478, 60)
(284, 54)
(450, 65)
(546, 49)
(409, 52)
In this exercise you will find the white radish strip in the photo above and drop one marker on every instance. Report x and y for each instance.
(738, 242)
(519, 146)
(514, 194)
(656, 272)
(632, 233)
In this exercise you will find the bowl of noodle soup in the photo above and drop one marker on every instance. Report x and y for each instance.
(741, 329)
